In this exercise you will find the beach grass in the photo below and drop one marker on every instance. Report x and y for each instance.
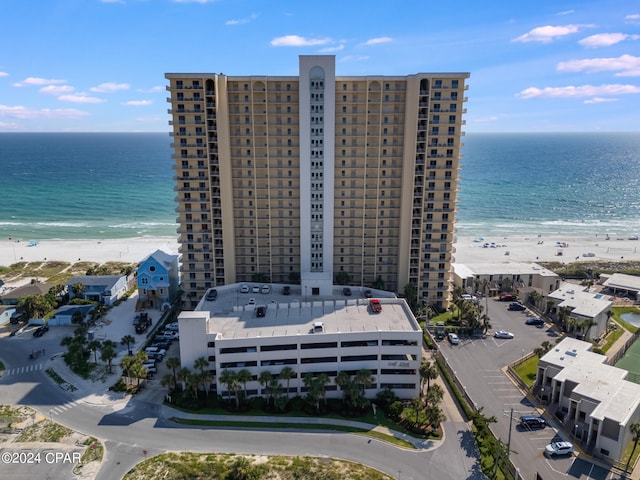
(57, 272)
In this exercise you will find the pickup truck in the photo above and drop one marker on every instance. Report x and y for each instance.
(141, 322)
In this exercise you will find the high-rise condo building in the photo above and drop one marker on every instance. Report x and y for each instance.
(317, 179)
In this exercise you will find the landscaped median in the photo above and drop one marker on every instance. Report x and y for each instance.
(379, 432)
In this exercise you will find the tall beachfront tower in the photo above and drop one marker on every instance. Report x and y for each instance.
(317, 179)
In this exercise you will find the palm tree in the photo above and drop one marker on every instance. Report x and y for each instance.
(230, 379)
(202, 364)
(313, 391)
(244, 376)
(287, 373)
(416, 405)
(635, 430)
(138, 371)
(264, 378)
(183, 376)
(94, 346)
(126, 363)
(343, 380)
(167, 381)
(173, 363)
(322, 381)
(128, 340)
(108, 349)
(275, 389)
(428, 371)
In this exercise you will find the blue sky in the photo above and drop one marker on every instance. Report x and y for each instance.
(98, 65)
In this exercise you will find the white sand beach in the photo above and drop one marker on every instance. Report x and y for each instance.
(546, 249)
(118, 250)
(467, 250)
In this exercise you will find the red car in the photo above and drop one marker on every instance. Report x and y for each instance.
(507, 297)
(374, 303)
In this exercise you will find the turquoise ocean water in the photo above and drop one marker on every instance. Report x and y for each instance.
(115, 185)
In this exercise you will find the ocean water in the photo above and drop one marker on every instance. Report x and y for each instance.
(119, 185)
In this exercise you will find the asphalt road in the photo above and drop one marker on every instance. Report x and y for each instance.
(478, 364)
(137, 428)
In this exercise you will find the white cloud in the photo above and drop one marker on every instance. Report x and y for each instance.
(332, 49)
(25, 113)
(548, 33)
(242, 21)
(606, 39)
(156, 89)
(110, 87)
(581, 91)
(8, 125)
(297, 41)
(600, 100)
(137, 103)
(56, 89)
(38, 81)
(634, 19)
(625, 65)
(80, 98)
(565, 12)
(377, 41)
(4, 74)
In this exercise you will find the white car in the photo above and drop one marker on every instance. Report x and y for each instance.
(172, 327)
(265, 289)
(252, 301)
(244, 289)
(503, 334)
(453, 339)
(558, 448)
(255, 289)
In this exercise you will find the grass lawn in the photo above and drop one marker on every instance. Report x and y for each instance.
(612, 338)
(527, 370)
(292, 425)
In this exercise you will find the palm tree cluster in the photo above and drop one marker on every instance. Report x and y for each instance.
(469, 312)
(79, 349)
(133, 366)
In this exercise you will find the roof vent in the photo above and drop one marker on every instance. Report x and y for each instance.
(571, 353)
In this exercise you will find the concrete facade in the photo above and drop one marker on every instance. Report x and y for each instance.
(329, 335)
(299, 179)
(596, 404)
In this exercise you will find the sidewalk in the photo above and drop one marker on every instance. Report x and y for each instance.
(419, 443)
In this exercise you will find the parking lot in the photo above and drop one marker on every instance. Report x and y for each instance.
(479, 363)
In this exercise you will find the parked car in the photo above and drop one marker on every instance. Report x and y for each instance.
(531, 422)
(172, 326)
(286, 290)
(154, 349)
(265, 289)
(150, 368)
(162, 344)
(503, 334)
(375, 305)
(534, 321)
(453, 339)
(38, 332)
(507, 297)
(156, 355)
(212, 294)
(16, 317)
(252, 301)
(261, 311)
(558, 448)
(171, 334)
(346, 291)
(517, 307)
(368, 294)
(244, 289)
(255, 289)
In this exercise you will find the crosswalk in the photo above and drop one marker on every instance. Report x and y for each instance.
(26, 369)
(58, 409)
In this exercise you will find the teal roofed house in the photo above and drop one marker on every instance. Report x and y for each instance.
(158, 279)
